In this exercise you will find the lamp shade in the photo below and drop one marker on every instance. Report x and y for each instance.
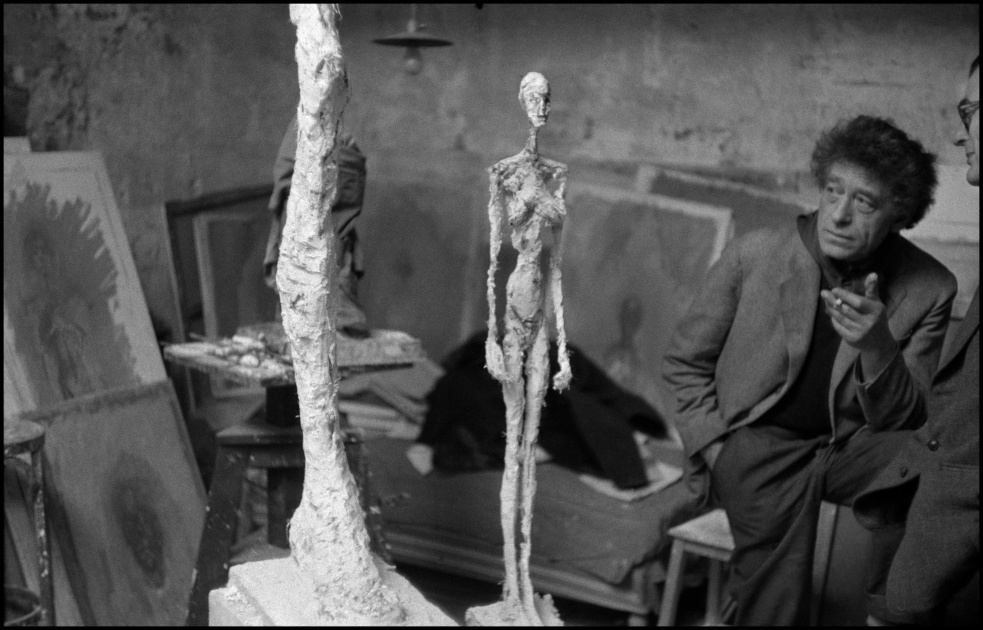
(412, 38)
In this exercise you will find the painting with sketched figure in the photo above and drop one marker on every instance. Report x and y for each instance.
(632, 263)
(74, 318)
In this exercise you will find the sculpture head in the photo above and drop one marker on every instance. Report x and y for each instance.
(534, 94)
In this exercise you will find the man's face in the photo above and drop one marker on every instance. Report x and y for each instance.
(537, 102)
(855, 214)
(969, 139)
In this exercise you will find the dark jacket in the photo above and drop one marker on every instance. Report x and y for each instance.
(744, 340)
(589, 427)
(933, 486)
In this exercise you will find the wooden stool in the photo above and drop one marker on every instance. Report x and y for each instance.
(279, 450)
(21, 437)
(707, 536)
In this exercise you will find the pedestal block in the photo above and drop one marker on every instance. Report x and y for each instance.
(277, 593)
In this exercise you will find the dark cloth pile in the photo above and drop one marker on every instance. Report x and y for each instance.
(588, 428)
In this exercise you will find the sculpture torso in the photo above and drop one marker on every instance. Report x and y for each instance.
(527, 180)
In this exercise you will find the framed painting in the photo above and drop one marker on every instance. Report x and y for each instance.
(772, 202)
(126, 495)
(230, 246)
(424, 230)
(632, 263)
(75, 321)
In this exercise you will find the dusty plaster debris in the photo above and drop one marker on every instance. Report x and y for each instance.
(328, 538)
(531, 190)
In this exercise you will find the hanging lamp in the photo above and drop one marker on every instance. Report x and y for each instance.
(413, 40)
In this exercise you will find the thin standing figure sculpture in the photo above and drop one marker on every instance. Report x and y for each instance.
(531, 189)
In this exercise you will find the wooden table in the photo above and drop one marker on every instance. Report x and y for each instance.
(381, 350)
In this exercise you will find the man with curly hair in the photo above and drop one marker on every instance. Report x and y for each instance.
(799, 369)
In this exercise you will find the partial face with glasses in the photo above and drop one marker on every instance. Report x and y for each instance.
(855, 214)
(969, 136)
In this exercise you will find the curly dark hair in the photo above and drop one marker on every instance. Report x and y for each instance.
(886, 153)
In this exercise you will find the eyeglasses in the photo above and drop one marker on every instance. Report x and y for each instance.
(966, 111)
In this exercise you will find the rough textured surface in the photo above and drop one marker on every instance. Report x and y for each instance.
(744, 84)
(279, 593)
(508, 614)
(331, 576)
(528, 190)
(327, 534)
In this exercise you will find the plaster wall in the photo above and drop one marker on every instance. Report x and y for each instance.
(189, 99)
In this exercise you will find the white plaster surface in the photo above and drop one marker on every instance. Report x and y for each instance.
(278, 593)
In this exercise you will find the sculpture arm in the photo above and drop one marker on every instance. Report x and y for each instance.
(558, 171)
(561, 380)
(494, 357)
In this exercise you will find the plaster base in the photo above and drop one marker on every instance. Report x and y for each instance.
(505, 614)
(278, 593)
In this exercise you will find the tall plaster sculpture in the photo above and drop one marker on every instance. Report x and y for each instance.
(530, 188)
(328, 538)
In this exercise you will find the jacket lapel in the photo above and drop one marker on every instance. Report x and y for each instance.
(968, 326)
(799, 293)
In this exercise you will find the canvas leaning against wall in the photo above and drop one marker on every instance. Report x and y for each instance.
(75, 320)
(632, 263)
(126, 499)
(230, 246)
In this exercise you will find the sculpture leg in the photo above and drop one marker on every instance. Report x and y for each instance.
(537, 378)
(513, 393)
